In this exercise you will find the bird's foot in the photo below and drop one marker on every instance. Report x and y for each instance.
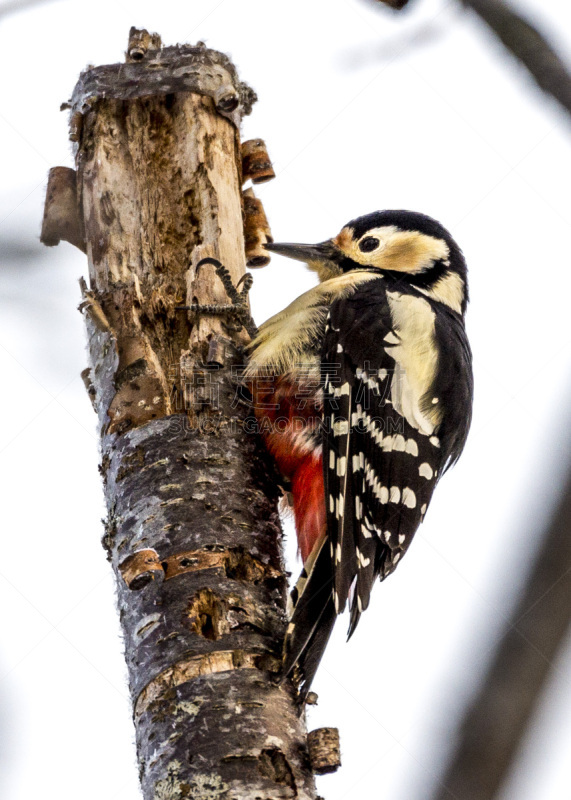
(236, 312)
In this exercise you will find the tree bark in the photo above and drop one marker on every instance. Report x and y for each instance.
(193, 531)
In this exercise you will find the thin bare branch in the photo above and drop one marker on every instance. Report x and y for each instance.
(397, 4)
(494, 725)
(528, 45)
(524, 41)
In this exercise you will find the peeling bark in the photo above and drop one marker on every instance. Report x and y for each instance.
(193, 531)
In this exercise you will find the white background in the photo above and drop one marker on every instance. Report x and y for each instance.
(361, 109)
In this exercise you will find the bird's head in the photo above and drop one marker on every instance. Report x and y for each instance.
(410, 247)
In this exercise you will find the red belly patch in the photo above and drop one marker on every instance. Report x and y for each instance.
(288, 412)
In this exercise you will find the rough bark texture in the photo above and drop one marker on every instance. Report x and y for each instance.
(193, 531)
(499, 716)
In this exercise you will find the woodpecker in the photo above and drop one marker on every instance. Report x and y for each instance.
(362, 389)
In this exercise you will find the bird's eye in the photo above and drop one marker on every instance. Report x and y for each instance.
(368, 244)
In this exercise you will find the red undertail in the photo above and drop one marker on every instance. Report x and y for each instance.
(308, 503)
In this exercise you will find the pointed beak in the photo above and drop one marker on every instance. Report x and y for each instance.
(310, 253)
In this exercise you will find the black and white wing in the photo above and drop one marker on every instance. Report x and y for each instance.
(387, 382)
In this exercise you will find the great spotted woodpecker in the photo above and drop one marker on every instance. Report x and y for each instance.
(363, 391)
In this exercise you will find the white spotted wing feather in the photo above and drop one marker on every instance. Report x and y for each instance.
(381, 364)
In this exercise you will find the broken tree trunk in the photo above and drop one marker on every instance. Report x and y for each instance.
(193, 531)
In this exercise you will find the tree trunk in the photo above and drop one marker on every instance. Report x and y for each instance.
(193, 531)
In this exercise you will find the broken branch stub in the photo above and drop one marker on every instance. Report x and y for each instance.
(140, 568)
(256, 231)
(62, 219)
(324, 750)
(193, 530)
(140, 42)
(256, 164)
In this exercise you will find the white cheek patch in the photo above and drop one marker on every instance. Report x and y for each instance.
(450, 290)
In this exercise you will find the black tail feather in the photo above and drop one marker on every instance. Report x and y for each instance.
(312, 619)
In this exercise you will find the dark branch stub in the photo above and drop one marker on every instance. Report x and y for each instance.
(256, 231)
(256, 163)
(62, 219)
(324, 750)
(140, 42)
